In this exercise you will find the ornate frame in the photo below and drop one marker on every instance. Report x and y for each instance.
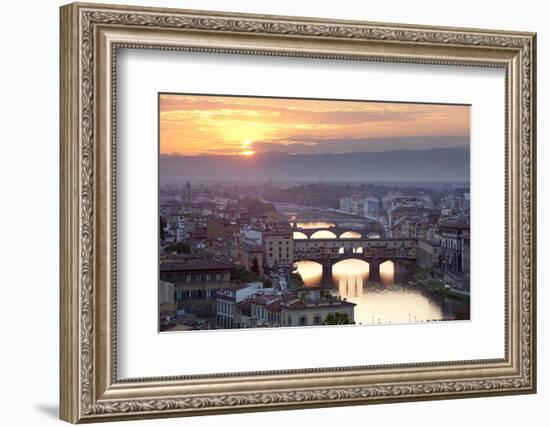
(90, 36)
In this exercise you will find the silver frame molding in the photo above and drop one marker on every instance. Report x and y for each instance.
(90, 37)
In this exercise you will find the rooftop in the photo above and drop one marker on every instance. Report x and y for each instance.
(194, 264)
(459, 223)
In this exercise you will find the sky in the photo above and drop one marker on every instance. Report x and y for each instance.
(221, 125)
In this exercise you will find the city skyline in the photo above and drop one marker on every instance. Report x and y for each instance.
(192, 125)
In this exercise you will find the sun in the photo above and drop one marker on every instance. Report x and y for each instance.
(246, 147)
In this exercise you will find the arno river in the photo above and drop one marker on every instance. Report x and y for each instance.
(389, 299)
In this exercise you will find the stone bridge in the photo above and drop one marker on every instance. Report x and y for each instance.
(336, 232)
(328, 252)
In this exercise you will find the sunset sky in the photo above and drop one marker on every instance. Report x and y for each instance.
(218, 125)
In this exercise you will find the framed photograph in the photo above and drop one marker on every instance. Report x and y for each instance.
(266, 213)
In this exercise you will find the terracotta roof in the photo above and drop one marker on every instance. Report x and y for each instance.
(274, 306)
(296, 305)
(455, 223)
(300, 305)
(194, 265)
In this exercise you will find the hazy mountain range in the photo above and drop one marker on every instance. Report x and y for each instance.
(435, 164)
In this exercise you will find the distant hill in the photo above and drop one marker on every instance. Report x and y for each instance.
(436, 164)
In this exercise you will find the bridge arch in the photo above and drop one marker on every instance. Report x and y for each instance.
(350, 235)
(298, 235)
(350, 266)
(323, 234)
(311, 272)
(387, 272)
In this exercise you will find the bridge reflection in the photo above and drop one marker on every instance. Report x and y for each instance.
(311, 272)
(348, 275)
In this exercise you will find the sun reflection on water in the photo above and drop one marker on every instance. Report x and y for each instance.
(387, 299)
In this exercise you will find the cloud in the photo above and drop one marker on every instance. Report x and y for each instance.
(359, 145)
(194, 124)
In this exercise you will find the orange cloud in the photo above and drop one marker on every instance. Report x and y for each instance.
(200, 124)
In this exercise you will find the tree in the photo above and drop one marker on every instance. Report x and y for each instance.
(255, 266)
(256, 207)
(240, 274)
(337, 319)
(179, 248)
(296, 281)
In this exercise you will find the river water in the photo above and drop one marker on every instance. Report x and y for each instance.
(388, 299)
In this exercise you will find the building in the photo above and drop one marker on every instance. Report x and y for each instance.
(405, 227)
(454, 233)
(252, 234)
(264, 310)
(167, 305)
(187, 196)
(251, 257)
(393, 201)
(345, 204)
(466, 256)
(428, 254)
(272, 218)
(221, 229)
(352, 204)
(466, 203)
(398, 213)
(227, 300)
(196, 283)
(278, 247)
(309, 308)
(371, 206)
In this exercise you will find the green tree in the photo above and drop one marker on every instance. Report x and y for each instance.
(178, 248)
(256, 207)
(296, 281)
(241, 274)
(337, 319)
(255, 266)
